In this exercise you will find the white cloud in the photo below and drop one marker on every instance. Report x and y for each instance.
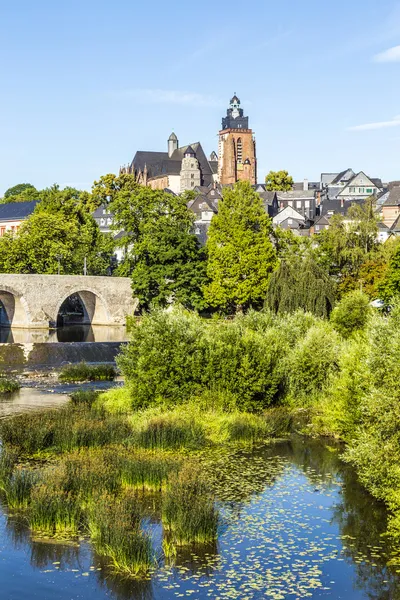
(158, 96)
(391, 55)
(395, 122)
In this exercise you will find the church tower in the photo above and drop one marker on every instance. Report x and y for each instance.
(237, 147)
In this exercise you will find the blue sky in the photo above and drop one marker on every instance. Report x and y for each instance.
(84, 83)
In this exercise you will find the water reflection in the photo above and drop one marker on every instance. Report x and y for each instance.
(70, 333)
(290, 511)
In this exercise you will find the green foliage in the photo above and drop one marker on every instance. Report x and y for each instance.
(241, 256)
(199, 524)
(279, 180)
(105, 190)
(23, 192)
(62, 232)
(163, 256)
(351, 314)
(311, 363)
(85, 372)
(301, 284)
(390, 286)
(8, 386)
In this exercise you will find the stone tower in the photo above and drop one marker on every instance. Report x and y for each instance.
(190, 170)
(173, 144)
(237, 147)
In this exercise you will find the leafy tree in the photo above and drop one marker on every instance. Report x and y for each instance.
(351, 314)
(108, 186)
(21, 193)
(301, 284)
(163, 256)
(347, 243)
(18, 189)
(241, 254)
(279, 181)
(59, 231)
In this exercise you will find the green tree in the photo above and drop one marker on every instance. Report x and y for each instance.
(351, 314)
(279, 181)
(108, 186)
(241, 256)
(163, 256)
(18, 189)
(60, 231)
(301, 284)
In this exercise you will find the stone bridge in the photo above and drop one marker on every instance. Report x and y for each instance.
(34, 301)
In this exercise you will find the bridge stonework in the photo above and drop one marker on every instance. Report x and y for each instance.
(34, 301)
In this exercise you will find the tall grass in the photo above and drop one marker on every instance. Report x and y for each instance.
(189, 512)
(115, 530)
(169, 430)
(85, 372)
(148, 470)
(62, 430)
(54, 511)
(18, 488)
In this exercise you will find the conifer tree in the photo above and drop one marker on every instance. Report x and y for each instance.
(241, 256)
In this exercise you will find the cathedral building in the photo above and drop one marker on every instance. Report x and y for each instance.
(237, 147)
(187, 167)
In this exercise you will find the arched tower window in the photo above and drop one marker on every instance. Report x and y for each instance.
(239, 150)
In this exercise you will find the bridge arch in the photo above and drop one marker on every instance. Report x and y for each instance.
(14, 311)
(94, 307)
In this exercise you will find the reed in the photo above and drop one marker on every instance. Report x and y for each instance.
(63, 430)
(89, 472)
(85, 372)
(18, 488)
(115, 530)
(148, 470)
(243, 427)
(54, 511)
(189, 514)
(8, 461)
(170, 431)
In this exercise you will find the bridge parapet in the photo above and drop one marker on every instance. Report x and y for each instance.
(34, 301)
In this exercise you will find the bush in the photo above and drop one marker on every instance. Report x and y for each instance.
(311, 363)
(8, 386)
(84, 372)
(351, 314)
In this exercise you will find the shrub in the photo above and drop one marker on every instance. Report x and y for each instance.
(86, 397)
(8, 386)
(351, 314)
(312, 362)
(84, 372)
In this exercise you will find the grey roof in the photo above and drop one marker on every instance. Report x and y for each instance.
(342, 176)
(396, 225)
(295, 194)
(267, 197)
(173, 137)
(377, 181)
(327, 178)
(99, 212)
(312, 185)
(214, 166)
(381, 225)
(159, 163)
(394, 197)
(189, 150)
(15, 211)
(333, 192)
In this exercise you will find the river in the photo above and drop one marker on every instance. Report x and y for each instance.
(295, 524)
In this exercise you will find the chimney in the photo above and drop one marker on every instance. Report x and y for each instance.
(305, 185)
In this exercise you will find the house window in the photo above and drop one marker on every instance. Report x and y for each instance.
(2, 231)
(361, 190)
(239, 150)
(290, 221)
(307, 204)
(352, 190)
(290, 203)
(317, 228)
(192, 166)
(369, 190)
(102, 222)
(192, 183)
(192, 176)
(298, 203)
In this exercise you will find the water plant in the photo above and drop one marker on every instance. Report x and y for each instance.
(18, 488)
(85, 372)
(148, 470)
(8, 385)
(115, 529)
(86, 397)
(170, 430)
(189, 514)
(53, 511)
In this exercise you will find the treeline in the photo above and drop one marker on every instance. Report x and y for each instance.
(343, 386)
(245, 264)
